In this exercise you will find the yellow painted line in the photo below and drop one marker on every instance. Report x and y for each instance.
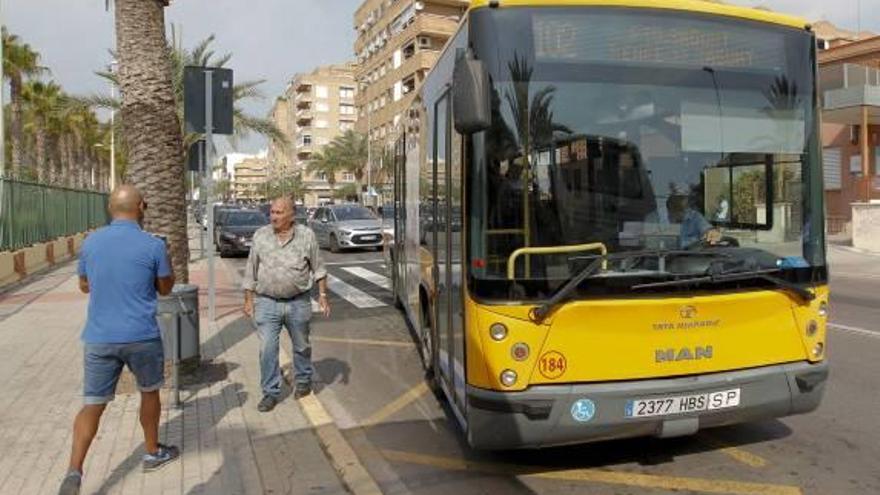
(735, 453)
(386, 343)
(338, 450)
(653, 481)
(397, 404)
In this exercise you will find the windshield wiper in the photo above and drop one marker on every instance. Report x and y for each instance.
(537, 315)
(767, 275)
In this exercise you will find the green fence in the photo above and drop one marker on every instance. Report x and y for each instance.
(32, 213)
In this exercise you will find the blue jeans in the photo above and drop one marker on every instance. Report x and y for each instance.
(102, 365)
(294, 314)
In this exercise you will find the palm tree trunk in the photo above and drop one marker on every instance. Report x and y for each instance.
(17, 134)
(44, 173)
(150, 123)
(67, 169)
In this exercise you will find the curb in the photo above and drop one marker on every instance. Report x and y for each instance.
(340, 453)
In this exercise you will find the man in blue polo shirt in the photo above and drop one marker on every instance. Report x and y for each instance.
(122, 268)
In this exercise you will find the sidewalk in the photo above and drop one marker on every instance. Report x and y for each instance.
(228, 447)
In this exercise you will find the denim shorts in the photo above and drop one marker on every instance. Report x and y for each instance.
(102, 365)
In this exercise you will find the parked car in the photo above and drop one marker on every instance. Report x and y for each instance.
(236, 234)
(220, 217)
(339, 227)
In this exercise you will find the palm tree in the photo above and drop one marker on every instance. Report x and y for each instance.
(202, 55)
(20, 62)
(350, 149)
(151, 126)
(328, 163)
(41, 100)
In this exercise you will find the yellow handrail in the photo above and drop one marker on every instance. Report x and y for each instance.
(594, 246)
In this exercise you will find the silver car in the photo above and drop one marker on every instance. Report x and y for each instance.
(340, 227)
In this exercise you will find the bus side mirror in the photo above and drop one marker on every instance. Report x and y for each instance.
(470, 96)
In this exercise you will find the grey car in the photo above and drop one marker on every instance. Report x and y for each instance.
(340, 227)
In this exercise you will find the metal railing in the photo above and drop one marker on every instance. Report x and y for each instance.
(32, 213)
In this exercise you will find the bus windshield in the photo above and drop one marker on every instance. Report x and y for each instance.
(642, 130)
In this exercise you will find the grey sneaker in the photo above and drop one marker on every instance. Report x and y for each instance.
(267, 404)
(71, 483)
(166, 454)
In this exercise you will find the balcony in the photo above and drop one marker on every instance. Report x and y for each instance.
(304, 120)
(304, 103)
(303, 88)
(848, 88)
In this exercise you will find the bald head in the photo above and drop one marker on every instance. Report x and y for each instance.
(126, 202)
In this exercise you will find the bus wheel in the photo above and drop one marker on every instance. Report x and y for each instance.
(426, 344)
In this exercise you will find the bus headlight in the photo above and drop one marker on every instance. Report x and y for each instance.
(519, 351)
(818, 350)
(812, 328)
(498, 332)
(508, 378)
(823, 309)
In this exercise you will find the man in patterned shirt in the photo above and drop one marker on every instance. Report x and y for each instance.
(283, 266)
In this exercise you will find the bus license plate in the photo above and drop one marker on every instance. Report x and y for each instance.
(662, 406)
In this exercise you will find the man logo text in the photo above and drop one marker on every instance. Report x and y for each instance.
(683, 354)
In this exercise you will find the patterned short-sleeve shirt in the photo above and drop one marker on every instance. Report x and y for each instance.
(283, 270)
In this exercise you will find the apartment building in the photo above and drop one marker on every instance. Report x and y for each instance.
(398, 41)
(280, 157)
(315, 108)
(250, 178)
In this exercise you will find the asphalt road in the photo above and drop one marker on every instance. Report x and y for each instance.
(370, 380)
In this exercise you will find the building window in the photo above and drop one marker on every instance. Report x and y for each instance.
(322, 106)
(321, 124)
(831, 163)
(321, 91)
(322, 176)
(346, 109)
(348, 177)
(306, 140)
(345, 92)
(346, 126)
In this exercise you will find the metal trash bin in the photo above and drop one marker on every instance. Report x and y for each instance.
(183, 302)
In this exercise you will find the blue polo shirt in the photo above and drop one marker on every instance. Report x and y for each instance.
(122, 262)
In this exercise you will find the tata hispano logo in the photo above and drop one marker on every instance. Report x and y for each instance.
(687, 312)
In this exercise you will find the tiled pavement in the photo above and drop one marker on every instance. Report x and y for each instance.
(228, 447)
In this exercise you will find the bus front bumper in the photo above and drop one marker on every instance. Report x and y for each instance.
(544, 415)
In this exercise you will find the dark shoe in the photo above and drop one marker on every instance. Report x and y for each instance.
(163, 456)
(71, 483)
(267, 404)
(302, 390)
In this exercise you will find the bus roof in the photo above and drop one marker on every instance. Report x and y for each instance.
(682, 5)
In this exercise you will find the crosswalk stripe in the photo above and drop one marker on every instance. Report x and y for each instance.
(369, 276)
(353, 294)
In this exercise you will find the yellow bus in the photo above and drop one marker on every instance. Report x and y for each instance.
(608, 220)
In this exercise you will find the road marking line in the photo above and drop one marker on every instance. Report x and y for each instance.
(736, 453)
(386, 343)
(353, 294)
(353, 474)
(860, 331)
(677, 483)
(338, 263)
(397, 404)
(372, 277)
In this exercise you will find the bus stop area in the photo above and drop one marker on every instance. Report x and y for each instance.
(374, 425)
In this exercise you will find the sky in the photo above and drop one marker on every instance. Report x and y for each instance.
(269, 39)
